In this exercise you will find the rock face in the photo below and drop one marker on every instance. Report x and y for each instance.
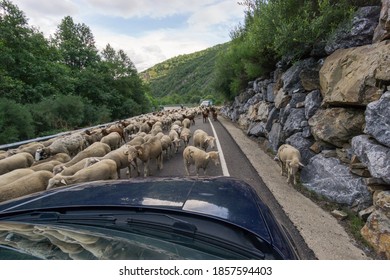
(336, 111)
(354, 76)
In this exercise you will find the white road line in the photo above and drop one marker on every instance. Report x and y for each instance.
(225, 170)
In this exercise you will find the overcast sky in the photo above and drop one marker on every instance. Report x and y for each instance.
(149, 31)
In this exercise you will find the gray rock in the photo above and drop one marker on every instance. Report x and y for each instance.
(270, 96)
(329, 178)
(272, 117)
(303, 144)
(312, 103)
(378, 119)
(257, 130)
(296, 98)
(357, 33)
(374, 155)
(275, 136)
(293, 122)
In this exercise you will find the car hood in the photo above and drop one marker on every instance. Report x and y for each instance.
(222, 198)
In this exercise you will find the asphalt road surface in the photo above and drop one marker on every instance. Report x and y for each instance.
(234, 163)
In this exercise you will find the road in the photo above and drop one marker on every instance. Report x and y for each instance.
(234, 163)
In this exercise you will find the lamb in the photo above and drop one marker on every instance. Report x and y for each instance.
(28, 184)
(203, 140)
(71, 145)
(146, 152)
(20, 160)
(199, 158)
(113, 140)
(14, 175)
(104, 169)
(97, 149)
(185, 135)
(290, 159)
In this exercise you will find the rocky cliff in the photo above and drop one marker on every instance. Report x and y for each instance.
(335, 108)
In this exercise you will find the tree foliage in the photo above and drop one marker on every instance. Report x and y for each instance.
(274, 29)
(62, 82)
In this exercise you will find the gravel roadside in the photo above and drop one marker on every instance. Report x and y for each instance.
(320, 230)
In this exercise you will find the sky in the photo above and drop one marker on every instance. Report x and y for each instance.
(149, 31)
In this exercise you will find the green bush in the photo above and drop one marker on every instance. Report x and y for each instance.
(16, 122)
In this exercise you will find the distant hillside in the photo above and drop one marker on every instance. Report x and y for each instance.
(185, 78)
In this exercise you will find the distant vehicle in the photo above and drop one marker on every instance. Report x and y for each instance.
(156, 218)
(206, 103)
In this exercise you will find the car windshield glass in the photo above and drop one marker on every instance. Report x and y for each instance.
(87, 243)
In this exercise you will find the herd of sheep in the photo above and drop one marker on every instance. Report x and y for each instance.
(101, 153)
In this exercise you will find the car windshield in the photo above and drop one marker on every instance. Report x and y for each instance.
(108, 237)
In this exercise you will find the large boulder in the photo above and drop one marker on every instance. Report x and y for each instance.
(378, 119)
(332, 179)
(375, 156)
(354, 76)
(337, 126)
(382, 31)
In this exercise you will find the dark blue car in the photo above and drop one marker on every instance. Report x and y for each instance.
(157, 218)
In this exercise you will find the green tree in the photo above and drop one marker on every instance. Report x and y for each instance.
(76, 44)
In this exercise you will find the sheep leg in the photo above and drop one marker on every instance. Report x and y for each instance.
(146, 168)
(186, 166)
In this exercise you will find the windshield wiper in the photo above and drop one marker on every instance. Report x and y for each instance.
(162, 220)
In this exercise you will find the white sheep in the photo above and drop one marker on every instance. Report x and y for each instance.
(62, 157)
(97, 149)
(203, 140)
(104, 169)
(199, 158)
(166, 144)
(120, 159)
(49, 166)
(185, 135)
(70, 144)
(113, 140)
(175, 139)
(28, 184)
(30, 148)
(152, 149)
(70, 170)
(20, 160)
(14, 175)
(290, 159)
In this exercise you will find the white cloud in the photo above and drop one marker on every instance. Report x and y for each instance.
(208, 24)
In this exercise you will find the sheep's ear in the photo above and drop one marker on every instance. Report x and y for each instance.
(63, 181)
(126, 152)
(207, 156)
(301, 164)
